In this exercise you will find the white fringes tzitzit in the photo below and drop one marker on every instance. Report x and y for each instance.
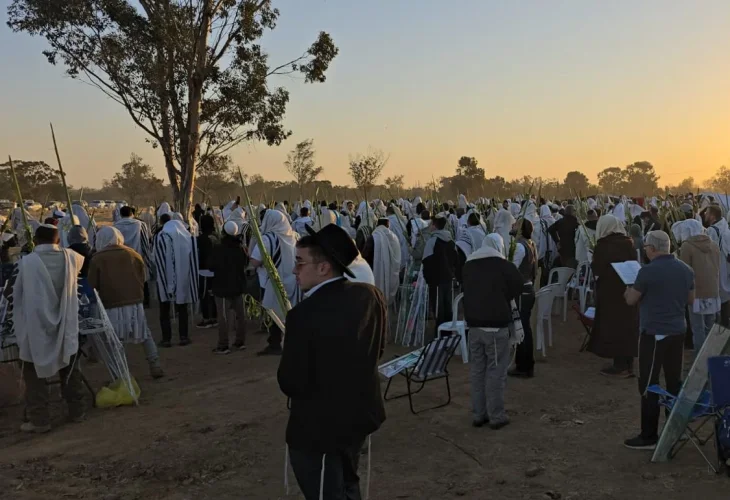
(321, 479)
(286, 469)
(367, 484)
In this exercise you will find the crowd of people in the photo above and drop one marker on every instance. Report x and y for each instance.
(348, 265)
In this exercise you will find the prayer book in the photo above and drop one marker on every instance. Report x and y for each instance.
(627, 271)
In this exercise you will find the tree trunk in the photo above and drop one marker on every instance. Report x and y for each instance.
(191, 141)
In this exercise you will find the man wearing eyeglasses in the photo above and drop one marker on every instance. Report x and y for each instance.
(663, 288)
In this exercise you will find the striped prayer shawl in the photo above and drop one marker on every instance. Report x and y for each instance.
(176, 281)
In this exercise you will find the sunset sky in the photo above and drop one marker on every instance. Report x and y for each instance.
(536, 87)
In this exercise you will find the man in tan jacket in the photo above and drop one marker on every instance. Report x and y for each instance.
(702, 254)
(118, 273)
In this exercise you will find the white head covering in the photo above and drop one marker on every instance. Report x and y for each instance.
(515, 209)
(685, 229)
(107, 236)
(494, 241)
(164, 209)
(231, 228)
(609, 224)
(275, 222)
(545, 212)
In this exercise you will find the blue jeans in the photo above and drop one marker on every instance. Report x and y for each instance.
(701, 325)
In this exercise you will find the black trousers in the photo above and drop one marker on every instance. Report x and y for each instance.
(440, 299)
(166, 324)
(655, 356)
(525, 357)
(146, 300)
(341, 481)
(207, 301)
(725, 314)
(274, 339)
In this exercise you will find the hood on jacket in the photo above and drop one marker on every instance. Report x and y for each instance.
(701, 242)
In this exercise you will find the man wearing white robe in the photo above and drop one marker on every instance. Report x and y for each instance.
(175, 253)
(300, 223)
(386, 260)
(398, 226)
(44, 298)
(503, 222)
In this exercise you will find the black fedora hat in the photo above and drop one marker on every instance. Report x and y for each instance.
(337, 244)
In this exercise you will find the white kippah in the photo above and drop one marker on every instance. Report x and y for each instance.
(231, 228)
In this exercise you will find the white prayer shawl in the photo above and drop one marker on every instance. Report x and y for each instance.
(636, 210)
(280, 242)
(194, 227)
(46, 326)
(397, 226)
(137, 237)
(281, 208)
(148, 219)
(515, 209)
(471, 239)
(417, 225)
(164, 209)
(386, 262)
(228, 209)
(299, 225)
(462, 202)
(325, 218)
(380, 208)
(116, 214)
(16, 224)
(591, 203)
(503, 223)
(619, 212)
(546, 242)
(366, 214)
(454, 221)
(176, 261)
(361, 269)
(583, 252)
(80, 218)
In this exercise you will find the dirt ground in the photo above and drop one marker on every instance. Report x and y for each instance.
(214, 428)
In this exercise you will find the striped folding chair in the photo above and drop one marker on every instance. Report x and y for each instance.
(431, 365)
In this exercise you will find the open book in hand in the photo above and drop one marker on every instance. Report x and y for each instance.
(627, 271)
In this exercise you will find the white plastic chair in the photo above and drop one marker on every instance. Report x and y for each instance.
(585, 288)
(457, 326)
(544, 300)
(561, 276)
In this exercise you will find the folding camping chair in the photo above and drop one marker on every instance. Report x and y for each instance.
(702, 412)
(432, 365)
(586, 319)
(718, 368)
(710, 407)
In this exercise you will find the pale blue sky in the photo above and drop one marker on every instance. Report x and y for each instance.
(528, 87)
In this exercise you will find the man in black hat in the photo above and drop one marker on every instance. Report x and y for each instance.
(329, 366)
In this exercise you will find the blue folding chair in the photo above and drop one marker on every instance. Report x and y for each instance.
(710, 407)
(719, 374)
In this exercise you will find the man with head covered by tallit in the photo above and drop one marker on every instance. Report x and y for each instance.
(382, 252)
(44, 318)
(176, 261)
(137, 237)
(119, 273)
(280, 241)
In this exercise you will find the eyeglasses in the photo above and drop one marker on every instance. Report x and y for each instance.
(301, 263)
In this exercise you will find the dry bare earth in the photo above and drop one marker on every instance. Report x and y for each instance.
(213, 428)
